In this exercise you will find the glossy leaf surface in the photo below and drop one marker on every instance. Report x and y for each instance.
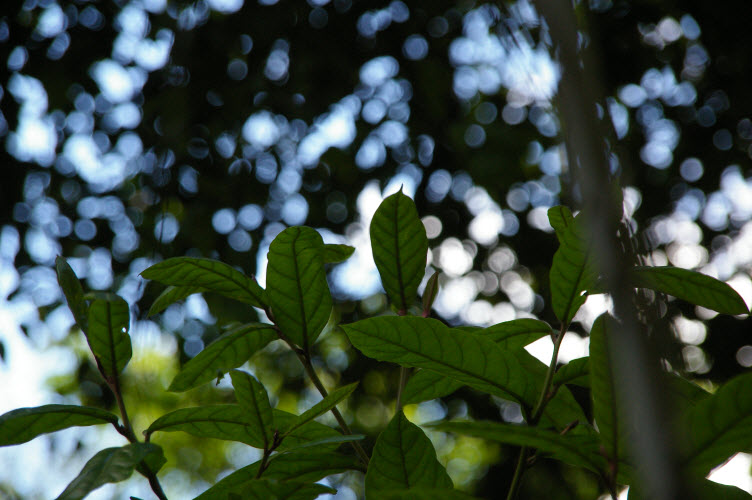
(400, 248)
(213, 275)
(227, 352)
(110, 465)
(694, 287)
(404, 458)
(107, 333)
(254, 400)
(297, 289)
(24, 424)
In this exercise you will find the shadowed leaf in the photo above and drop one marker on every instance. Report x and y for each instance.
(576, 372)
(110, 465)
(404, 458)
(603, 387)
(333, 254)
(73, 291)
(694, 287)
(517, 333)
(24, 424)
(323, 406)
(254, 400)
(107, 333)
(172, 294)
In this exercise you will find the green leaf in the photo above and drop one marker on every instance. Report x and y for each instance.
(332, 253)
(297, 288)
(110, 465)
(73, 292)
(230, 422)
(332, 440)
(576, 372)
(213, 275)
(573, 273)
(228, 351)
(694, 287)
(430, 292)
(718, 426)
(560, 218)
(254, 401)
(172, 294)
(685, 393)
(24, 424)
(467, 357)
(702, 489)
(323, 437)
(517, 333)
(580, 450)
(603, 387)
(272, 489)
(421, 493)
(404, 458)
(400, 248)
(427, 385)
(323, 406)
(107, 334)
(305, 467)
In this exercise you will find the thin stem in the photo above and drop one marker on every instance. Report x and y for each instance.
(402, 382)
(337, 415)
(543, 399)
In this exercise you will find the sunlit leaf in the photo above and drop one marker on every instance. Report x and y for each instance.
(254, 400)
(323, 406)
(400, 248)
(576, 372)
(213, 275)
(297, 289)
(332, 253)
(718, 426)
(172, 294)
(517, 333)
(427, 385)
(227, 352)
(561, 219)
(694, 287)
(580, 450)
(404, 458)
(24, 424)
(73, 291)
(107, 333)
(305, 467)
(573, 272)
(110, 465)
(465, 356)
(603, 387)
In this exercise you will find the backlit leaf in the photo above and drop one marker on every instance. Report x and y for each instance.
(172, 294)
(576, 449)
(404, 458)
(254, 400)
(573, 272)
(576, 372)
(73, 291)
(110, 465)
(694, 287)
(561, 219)
(227, 352)
(400, 248)
(297, 289)
(107, 333)
(213, 275)
(332, 253)
(718, 426)
(24, 424)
